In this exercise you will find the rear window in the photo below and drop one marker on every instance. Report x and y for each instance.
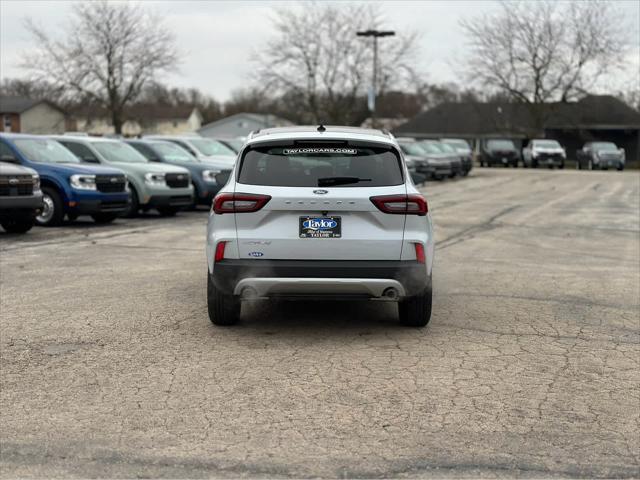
(320, 166)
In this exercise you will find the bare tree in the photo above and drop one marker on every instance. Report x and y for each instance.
(543, 51)
(316, 56)
(110, 52)
(20, 87)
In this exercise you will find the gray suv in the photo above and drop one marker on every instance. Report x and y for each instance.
(167, 188)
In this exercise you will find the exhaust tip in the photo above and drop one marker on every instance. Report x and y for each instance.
(390, 293)
(249, 293)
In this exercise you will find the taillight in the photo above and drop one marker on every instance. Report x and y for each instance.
(402, 204)
(239, 202)
(420, 257)
(219, 255)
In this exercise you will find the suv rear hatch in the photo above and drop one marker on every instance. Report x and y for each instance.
(312, 201)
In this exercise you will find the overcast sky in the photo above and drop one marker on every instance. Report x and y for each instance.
(218, 38)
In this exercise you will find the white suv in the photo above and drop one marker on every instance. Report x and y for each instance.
(320, 213)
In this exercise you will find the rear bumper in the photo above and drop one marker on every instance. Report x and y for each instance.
(379, 288)
(291, 278)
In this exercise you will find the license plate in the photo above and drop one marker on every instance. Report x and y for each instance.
(320, 227)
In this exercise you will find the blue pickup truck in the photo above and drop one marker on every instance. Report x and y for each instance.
(68, 187)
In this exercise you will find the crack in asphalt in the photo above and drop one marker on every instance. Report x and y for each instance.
(469, 232)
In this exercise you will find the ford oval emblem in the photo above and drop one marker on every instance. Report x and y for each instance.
(256, 254)
(321, 192)
(113, 179)
(319, 224)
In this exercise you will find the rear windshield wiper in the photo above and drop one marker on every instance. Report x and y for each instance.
(332, 181)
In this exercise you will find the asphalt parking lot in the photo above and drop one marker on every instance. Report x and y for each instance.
(529, 367)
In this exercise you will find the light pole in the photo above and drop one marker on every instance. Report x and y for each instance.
(375, 34)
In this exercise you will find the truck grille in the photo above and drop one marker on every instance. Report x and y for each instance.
(110, 183)
(177, 180)
(14, 185)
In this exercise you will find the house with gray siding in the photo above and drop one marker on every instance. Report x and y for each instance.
(241, 125)
(26, 115)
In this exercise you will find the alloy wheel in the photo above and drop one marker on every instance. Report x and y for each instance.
(47, 210)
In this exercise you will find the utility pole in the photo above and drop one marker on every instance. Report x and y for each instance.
(375, 34)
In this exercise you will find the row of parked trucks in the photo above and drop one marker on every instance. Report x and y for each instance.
(549, 153)
(44, 179)
(436, 159)
(447, 157)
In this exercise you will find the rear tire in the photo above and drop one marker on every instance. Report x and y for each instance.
(223, 309)
(103, 218)
(620, 168)
(52, 212)
(17, 226)
(416, 311)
